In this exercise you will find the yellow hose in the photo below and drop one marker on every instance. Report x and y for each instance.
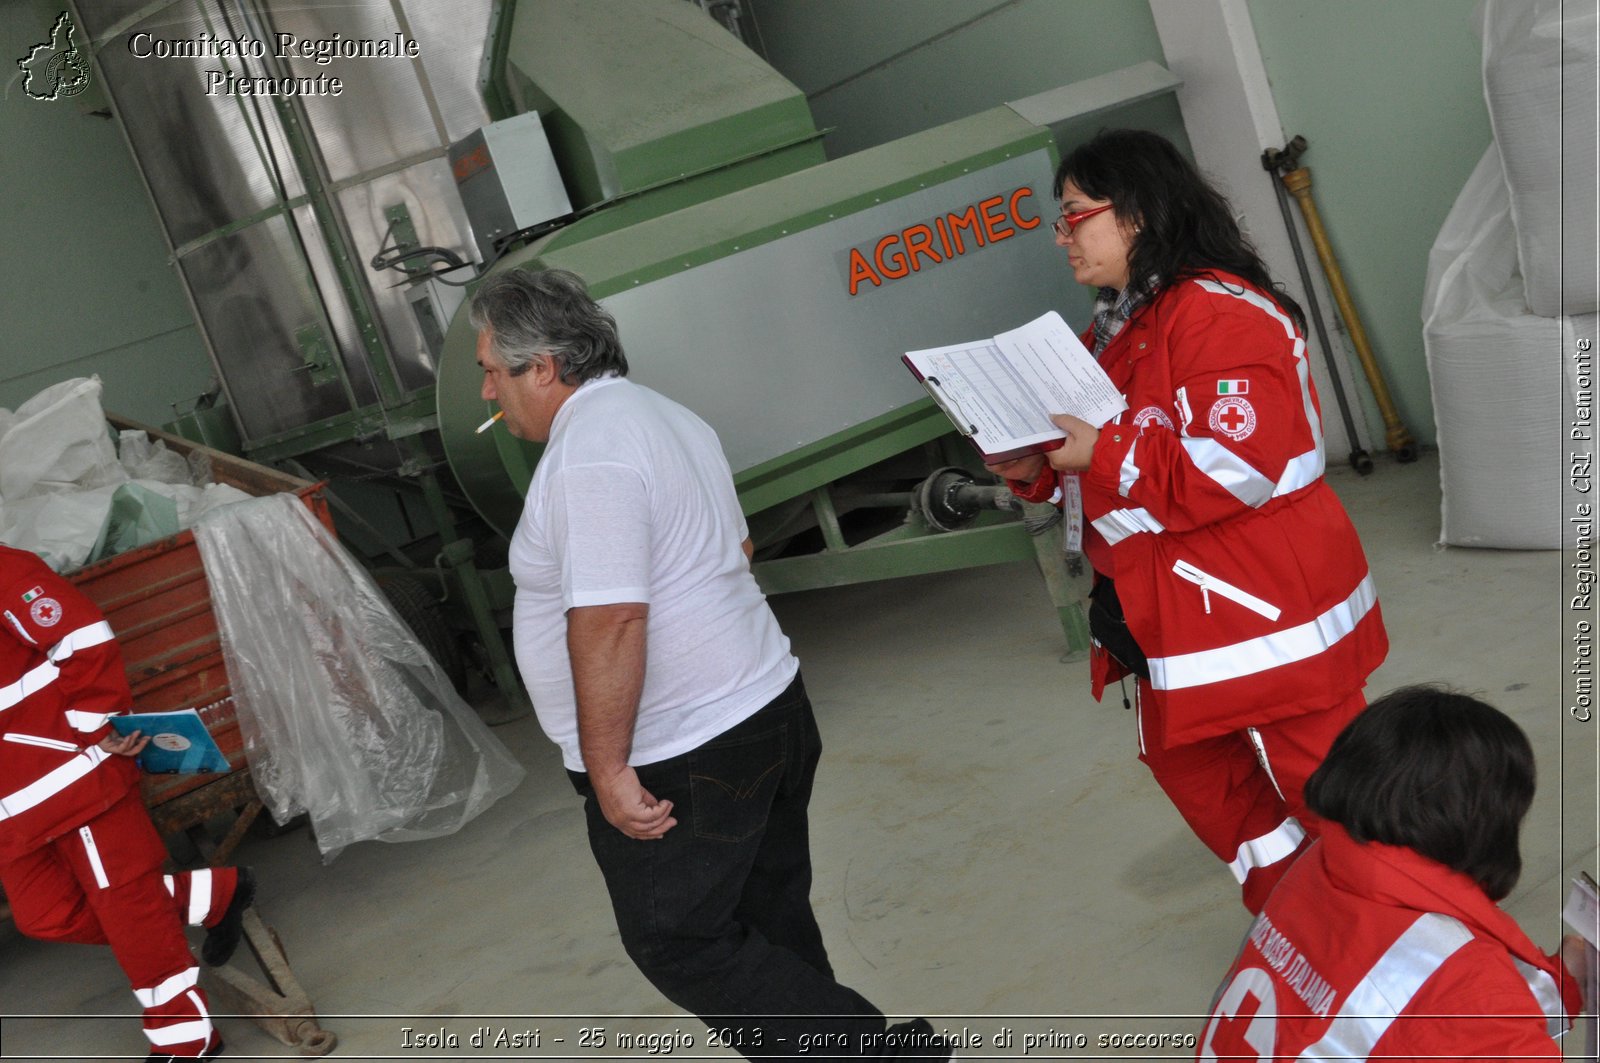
(1298, 182)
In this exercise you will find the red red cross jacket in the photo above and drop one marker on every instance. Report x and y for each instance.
(1359, 941)
(1239, 572)
(61, 675)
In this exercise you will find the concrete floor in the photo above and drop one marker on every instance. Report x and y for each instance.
(988, 852)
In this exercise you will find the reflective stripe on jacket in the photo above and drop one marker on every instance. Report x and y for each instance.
(1367, 951)
(1239, 572)
(61, 676)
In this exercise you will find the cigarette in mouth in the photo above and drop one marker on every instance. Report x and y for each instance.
(485, 426)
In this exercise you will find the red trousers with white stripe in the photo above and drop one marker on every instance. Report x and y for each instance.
(101, 884)
(1242, 793)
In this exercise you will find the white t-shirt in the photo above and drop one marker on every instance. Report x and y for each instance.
(633, 501)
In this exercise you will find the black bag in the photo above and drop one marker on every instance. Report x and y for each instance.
(1110, 628)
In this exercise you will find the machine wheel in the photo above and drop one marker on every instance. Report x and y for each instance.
(421, 612)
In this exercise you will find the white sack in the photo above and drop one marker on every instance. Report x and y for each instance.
(58, 441)
(1539, 80)
(61, 527)
(1501, 396)
(59, 470)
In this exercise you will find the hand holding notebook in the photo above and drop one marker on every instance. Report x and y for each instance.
(179, 742)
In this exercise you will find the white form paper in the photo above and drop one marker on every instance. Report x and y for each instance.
(1001, 392)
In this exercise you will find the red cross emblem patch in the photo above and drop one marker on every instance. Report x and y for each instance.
(1153, 415)
(1233, 416)
(46, 612)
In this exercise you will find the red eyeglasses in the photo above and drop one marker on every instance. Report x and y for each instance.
(1068, 222)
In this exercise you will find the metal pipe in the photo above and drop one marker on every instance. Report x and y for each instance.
(1360, 460)
(951, 499)
(876, 500)
(1298, 182)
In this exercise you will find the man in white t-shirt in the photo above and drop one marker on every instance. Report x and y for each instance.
(654, 662)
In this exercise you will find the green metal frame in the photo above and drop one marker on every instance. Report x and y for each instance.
(497, 99)
(910, 549)
(831, 459)
(618, 252)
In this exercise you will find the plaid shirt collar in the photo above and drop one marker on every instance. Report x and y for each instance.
(1112, 309)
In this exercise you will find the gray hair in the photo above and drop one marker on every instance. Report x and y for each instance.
(548, 312)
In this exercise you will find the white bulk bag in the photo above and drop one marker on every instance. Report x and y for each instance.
(1539, 80)
(1499, 378)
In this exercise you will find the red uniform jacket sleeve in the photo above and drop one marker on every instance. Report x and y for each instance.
(1045, 489)
(1241, 388)
(1490, 1013)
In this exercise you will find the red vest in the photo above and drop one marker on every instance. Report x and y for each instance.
(61, 675)
(1359, 941)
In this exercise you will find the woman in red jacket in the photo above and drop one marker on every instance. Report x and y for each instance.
(1228, 577)
(79, 858)
(1385, 940)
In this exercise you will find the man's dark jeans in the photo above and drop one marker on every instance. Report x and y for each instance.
(717, 913)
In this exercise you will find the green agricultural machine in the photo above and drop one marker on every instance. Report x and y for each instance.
(327, 244)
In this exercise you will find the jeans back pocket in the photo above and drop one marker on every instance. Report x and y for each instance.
(732, 784)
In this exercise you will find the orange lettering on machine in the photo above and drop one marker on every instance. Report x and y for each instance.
(939, 239)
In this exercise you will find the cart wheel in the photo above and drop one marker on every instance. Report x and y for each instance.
(421, 612)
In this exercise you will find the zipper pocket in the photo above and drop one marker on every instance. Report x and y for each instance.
(1210, 584)
(46, 743)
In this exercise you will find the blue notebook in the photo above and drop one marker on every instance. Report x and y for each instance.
(179, 742)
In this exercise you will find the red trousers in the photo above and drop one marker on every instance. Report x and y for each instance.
(101, 884)
(1242, 793)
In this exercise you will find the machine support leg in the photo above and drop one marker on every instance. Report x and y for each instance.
(828, 519)
(1064, 588)
(458, 553)
(459, 556)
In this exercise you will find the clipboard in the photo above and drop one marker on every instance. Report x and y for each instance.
(180, 744)
(1000, 392)
(968, 430)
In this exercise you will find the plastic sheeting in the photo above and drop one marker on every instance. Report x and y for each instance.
(1502, 396)
(344, 715)
(1540, 82)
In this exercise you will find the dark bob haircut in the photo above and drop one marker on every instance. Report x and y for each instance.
(1435, 771)
(1186, 227)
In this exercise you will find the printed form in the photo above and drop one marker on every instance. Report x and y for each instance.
(1001, 392)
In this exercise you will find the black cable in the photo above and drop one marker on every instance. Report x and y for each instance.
(442, 254)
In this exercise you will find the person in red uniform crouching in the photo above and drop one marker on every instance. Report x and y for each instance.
(79, 858)
(1228, 577)
(1385, 940)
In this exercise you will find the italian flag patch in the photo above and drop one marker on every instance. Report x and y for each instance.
(1233, 387)
(31, 595)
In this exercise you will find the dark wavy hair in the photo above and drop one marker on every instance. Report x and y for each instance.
(1438, 772)
(1186, 227)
